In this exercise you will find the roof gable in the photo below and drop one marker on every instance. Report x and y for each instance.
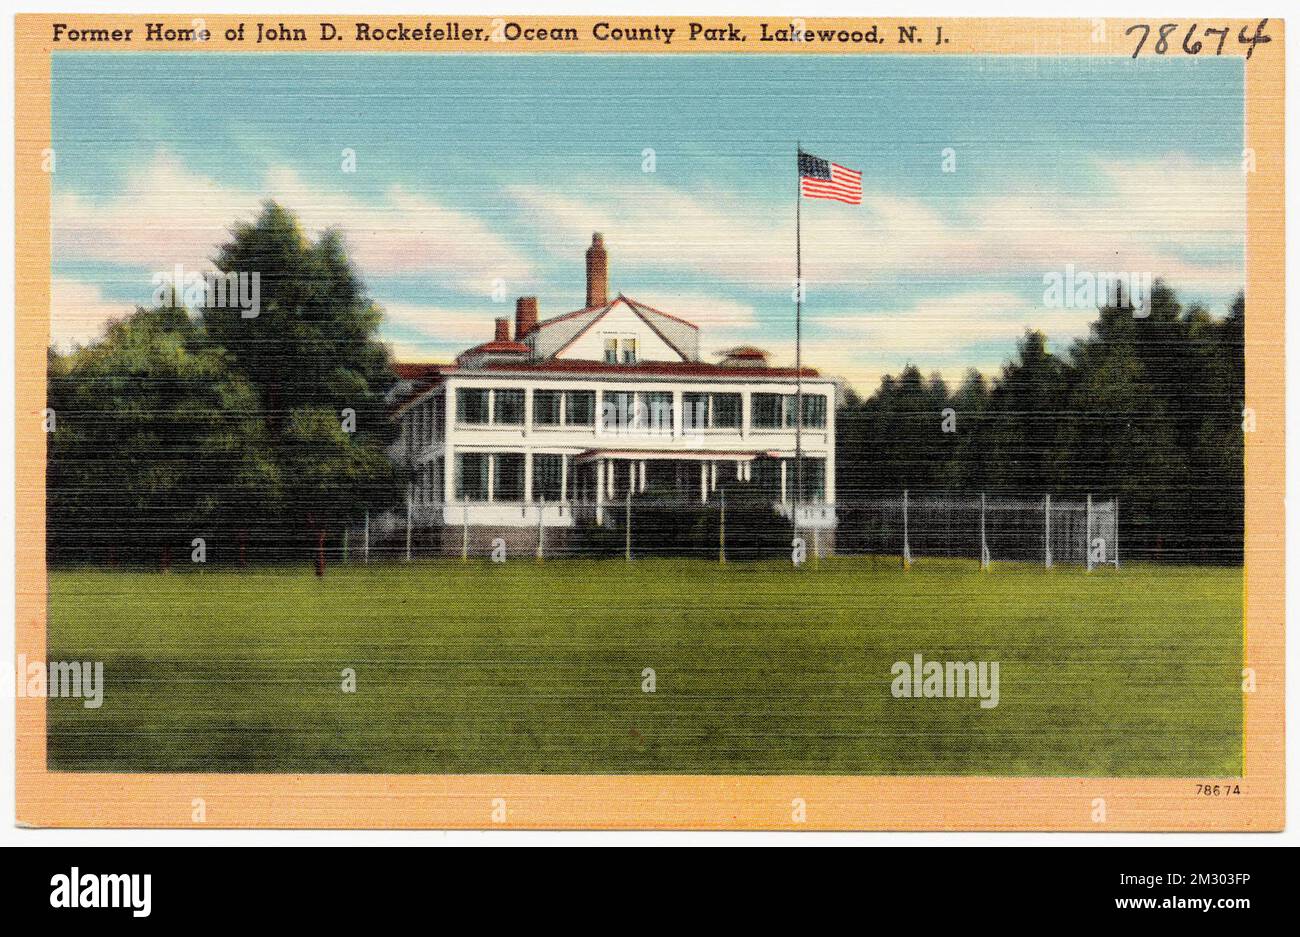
(662, 336)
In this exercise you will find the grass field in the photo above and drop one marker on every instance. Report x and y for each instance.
(760, 669)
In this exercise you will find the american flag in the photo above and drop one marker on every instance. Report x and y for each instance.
(819, 178)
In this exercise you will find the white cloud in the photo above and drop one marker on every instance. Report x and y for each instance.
(946, 334)
(1147, 217)
(166, 214)
(444, 324)
(79, 312)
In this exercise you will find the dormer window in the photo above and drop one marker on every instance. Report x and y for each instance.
(629, 351)
(611, 351)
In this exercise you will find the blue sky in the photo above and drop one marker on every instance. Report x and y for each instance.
(478, 172)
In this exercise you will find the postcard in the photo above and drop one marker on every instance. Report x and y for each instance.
(649, 423)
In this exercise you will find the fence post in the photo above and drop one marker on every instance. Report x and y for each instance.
(627, 524)
(1087, 537)
(907, 549)
(408, 528)
(984, 543)
(1047, 531)
(722, 526)
(1115, 510)
(366, 545)
(541, 511)
(464, 529)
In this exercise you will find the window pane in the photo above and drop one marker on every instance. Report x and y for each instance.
(509, 407)
(471, 406)
(814, 411)
(546, 407)
(695, 411)
(611, 351)
(581, 408)
(766, 475)
(547, 477)
(508, 477)
(655, 411)
(617, 410)
(726, 411)
(471, 476)
(788, 404)
(767, 411)
(629, 351)
(814, 480)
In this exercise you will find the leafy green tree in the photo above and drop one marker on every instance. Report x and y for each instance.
(313, 358)
(156, 442)
(1146, 408)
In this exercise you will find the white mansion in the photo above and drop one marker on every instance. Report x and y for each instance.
(554, 426)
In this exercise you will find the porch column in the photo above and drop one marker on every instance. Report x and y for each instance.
(528, 476)
(784, 496)
(713, 476)
(600, 491)
(631, 475)
(704, 482)
(564, 478)
(492, 472)
(609, 479)
(641, 487)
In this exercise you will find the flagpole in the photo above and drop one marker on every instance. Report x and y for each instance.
(798, 337)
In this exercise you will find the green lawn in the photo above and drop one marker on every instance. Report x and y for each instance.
(761, 669)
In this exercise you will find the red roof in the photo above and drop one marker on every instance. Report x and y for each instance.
(648, 368)
(417, 371)
(745, 353)
(496, 347)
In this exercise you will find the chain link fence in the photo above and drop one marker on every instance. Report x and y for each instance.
(740, 525)
(1048, 530)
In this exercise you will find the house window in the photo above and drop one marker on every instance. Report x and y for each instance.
(766, 476)
(439, 415)
(471, 476)
(617, 410)
(814, 411)
(611, 351)
(508, 477)
(508, 408)
(695, 411)
(548, 477)
(629, 351)
(814, 480)
(766, 411)
(580, 407)
(547, 407)
(725, 411)
(711, 411)
(472, 406)
(654, 411)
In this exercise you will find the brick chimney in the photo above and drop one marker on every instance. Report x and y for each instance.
(525, 316)
(597, 272)
(503, 330)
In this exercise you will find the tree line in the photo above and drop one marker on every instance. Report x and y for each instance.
(1146, 408)
(262, 437)
(248, 438)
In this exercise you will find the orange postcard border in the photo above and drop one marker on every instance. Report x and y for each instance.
(62, 799)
